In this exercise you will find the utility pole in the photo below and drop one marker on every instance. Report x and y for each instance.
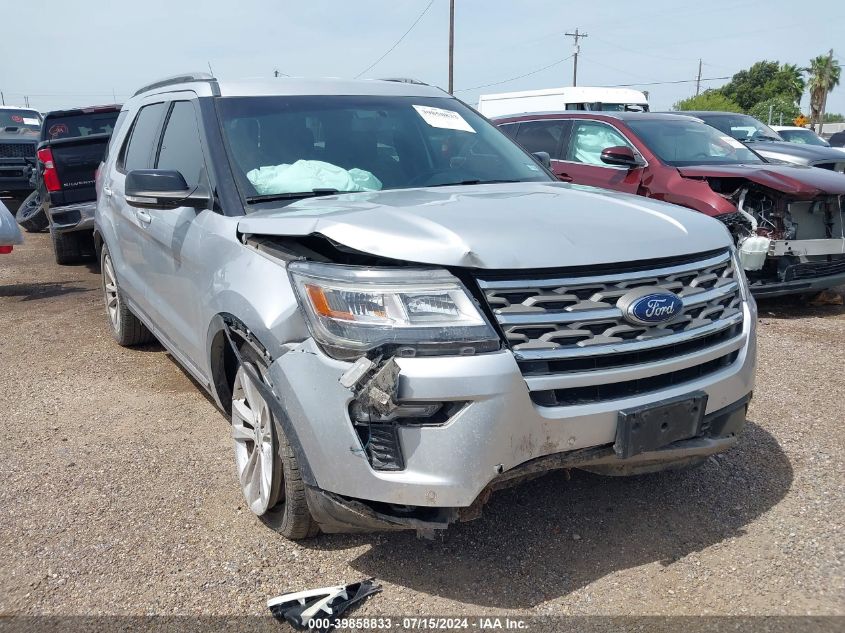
(698, 80)
(451, 44)
(577, 36)
(3, 98)
(26, 100)
(276, 73)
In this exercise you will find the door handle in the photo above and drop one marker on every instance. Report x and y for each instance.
(145, 217)
(106, 191)
(564, 177)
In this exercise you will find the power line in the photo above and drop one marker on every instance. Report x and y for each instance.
(663, 83)
(504, 81)
(389, 50)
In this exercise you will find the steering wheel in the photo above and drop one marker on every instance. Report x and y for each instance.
(701, 155)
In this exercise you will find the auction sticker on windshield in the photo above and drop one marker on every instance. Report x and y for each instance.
(446, 119)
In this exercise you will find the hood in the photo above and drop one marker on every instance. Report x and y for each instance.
(806, 153)
(504, 226)
(793, 180)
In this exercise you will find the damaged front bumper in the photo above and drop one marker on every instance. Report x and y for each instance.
(496, 436)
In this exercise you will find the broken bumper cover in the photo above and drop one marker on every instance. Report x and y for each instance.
(72, 217)
(448, 467)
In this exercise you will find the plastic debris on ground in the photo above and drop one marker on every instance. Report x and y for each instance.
(323, 605)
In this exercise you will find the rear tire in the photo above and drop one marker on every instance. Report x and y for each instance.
(74, 247)
(31, 214)
(270, 479)
(125, 327)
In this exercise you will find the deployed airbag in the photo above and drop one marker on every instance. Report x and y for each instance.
(307, 175)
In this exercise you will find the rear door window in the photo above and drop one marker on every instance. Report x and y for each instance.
(542, 136)
(180, 144)
(509, 129)
(139, 151)
(81, 124)
(588, 140)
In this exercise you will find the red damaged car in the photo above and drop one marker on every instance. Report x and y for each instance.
(787, 220)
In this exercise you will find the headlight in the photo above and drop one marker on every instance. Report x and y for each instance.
(351, 310)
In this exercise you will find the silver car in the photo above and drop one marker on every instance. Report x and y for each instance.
(402, 310)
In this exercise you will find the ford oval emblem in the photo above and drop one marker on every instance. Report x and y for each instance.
(650, 306)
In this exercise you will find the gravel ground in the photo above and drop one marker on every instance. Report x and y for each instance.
(119, 494)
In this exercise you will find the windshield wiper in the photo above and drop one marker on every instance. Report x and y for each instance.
(294, 195)
(761, 138)
(472, 182)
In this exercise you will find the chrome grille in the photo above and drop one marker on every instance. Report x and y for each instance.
(17, 150)
(570, 324)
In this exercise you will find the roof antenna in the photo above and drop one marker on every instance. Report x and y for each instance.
(209, 68)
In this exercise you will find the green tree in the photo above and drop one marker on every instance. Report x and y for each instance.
(783, 109)
(833, 117)
(708, 100)
(824, 74)
(764, 80)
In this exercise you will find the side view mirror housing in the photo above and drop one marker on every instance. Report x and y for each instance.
(622, 156)
(544, 158)
(162, 189)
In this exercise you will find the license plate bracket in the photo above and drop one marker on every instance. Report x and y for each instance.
(653, 426)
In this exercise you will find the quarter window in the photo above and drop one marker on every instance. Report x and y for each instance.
(180, 145)
(542, 136)
(589, 138)
(139, 151)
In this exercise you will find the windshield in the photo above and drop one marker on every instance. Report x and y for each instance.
(740, 126)
(327, 144)
(28, 119)
(804, 137)
(689, 142)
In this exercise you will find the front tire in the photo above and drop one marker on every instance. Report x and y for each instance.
(125, 327)
(268, 471)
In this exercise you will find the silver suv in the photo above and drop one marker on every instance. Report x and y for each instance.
(402, 310)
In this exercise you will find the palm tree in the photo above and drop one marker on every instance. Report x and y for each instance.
(824, 72)
(794, 82)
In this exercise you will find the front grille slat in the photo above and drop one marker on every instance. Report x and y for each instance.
(17, 150)
(552, 335)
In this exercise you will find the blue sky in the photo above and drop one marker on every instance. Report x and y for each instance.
(126, 44)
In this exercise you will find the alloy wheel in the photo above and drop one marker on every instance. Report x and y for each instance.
(252, 430)
(112, 297)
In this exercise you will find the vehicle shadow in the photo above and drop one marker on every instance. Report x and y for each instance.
(554, 535)
(43, 290)
(791, 307)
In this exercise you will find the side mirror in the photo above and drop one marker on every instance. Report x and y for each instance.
(623, 156)
(544, 158)
(162, 189)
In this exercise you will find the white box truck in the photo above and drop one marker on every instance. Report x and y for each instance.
(557, 99)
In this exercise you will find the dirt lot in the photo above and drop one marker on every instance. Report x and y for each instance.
(119, 495)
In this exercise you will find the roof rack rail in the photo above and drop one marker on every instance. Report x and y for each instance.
(405, 80)
(176, 79)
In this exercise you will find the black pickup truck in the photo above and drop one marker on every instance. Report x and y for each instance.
(18, 137)
(73, 143)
